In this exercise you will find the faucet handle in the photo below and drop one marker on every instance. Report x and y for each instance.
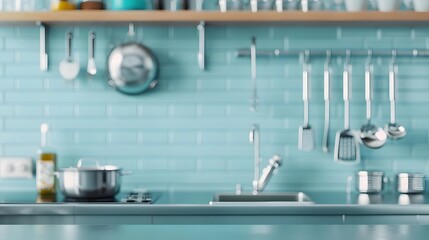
(275, 161)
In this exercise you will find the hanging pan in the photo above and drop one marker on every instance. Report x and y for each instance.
(132, 67)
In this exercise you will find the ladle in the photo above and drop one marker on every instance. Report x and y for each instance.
(371, 135)
(393, 129)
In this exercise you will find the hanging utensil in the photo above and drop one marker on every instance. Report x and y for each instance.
(91, 68)
(327, 96)
(305, 132)
(69, 69)
(394, 130)
(346, 145)
(132, 67)
(43, 54)
(254, 100)
(371, 136)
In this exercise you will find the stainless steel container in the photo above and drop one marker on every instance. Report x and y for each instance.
(90, 182)
(410, 182)
(370, 181)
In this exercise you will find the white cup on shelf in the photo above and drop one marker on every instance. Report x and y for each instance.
(356, 5)
(421, 5)
(388, 5)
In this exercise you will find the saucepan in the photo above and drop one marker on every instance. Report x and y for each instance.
(90, 182)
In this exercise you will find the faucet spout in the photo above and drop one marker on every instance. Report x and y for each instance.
(254, 139)
(260, 181)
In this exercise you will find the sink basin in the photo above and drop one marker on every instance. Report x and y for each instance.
(295, 198)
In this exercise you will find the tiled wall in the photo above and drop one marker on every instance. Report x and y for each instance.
(191, 132)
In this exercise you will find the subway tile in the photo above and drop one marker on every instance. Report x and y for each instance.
(86, 110)
(358, 32)
(305, 33)
(114, 137)
(182, 164)
(7, 84)
(182, 137)
(122, 110)
(90, 137)
(32, 110)
(29, 84)
(7, 56)
(60, 110)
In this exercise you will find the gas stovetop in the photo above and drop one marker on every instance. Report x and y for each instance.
(133, 197)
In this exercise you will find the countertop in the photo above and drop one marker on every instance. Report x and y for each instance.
(197, 203)
(215, 232)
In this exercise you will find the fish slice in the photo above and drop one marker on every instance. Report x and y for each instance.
(305, 132)
(347, 148)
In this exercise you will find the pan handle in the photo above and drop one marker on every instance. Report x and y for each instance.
(81, 162)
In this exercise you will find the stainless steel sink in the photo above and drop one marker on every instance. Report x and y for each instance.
(294, 198)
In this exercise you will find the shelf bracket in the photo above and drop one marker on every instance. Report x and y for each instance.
(201, 45)
(43, 54)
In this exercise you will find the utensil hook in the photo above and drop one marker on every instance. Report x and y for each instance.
(328, 59)
(69, 36)
(131, 30)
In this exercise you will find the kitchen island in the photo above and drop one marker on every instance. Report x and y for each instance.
(225, 232)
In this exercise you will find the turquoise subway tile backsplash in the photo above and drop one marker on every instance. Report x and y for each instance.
(191, 132)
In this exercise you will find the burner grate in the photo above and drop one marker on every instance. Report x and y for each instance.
(138, 197)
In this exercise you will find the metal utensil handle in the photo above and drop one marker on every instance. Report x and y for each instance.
(254, 98)
(327, 76)
(201, 45)
(327, 93)
(392, 92)
(81, 161)
(306, 87)
(69, 37)
(368, 89)
(368, 85)
(91, 47)
(43, 53)
(346, 91)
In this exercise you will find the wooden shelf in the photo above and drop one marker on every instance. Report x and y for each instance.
(214, 17)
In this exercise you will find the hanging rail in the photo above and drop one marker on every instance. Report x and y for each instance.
(245, 52)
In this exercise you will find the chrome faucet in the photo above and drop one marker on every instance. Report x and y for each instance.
(259, 182)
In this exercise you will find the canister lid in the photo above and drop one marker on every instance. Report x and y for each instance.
(412, 175)
(370, 173)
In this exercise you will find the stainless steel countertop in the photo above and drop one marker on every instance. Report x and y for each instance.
(196, 203)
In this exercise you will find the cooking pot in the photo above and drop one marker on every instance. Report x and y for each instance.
(132, 67)
(90, 182)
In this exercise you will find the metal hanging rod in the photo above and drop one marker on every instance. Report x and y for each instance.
(245, 52)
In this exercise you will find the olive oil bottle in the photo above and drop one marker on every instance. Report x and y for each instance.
(46, 165)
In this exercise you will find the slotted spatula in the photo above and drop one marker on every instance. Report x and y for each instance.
(346, 143)
(305, 132)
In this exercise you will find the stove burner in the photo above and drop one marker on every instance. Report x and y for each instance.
(138, 197)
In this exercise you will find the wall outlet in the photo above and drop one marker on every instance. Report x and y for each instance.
(16, 167)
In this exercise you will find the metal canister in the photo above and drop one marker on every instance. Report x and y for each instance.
(410, 182)
(370, 181)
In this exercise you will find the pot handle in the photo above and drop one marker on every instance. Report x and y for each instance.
(125, 173)
(82, 160)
